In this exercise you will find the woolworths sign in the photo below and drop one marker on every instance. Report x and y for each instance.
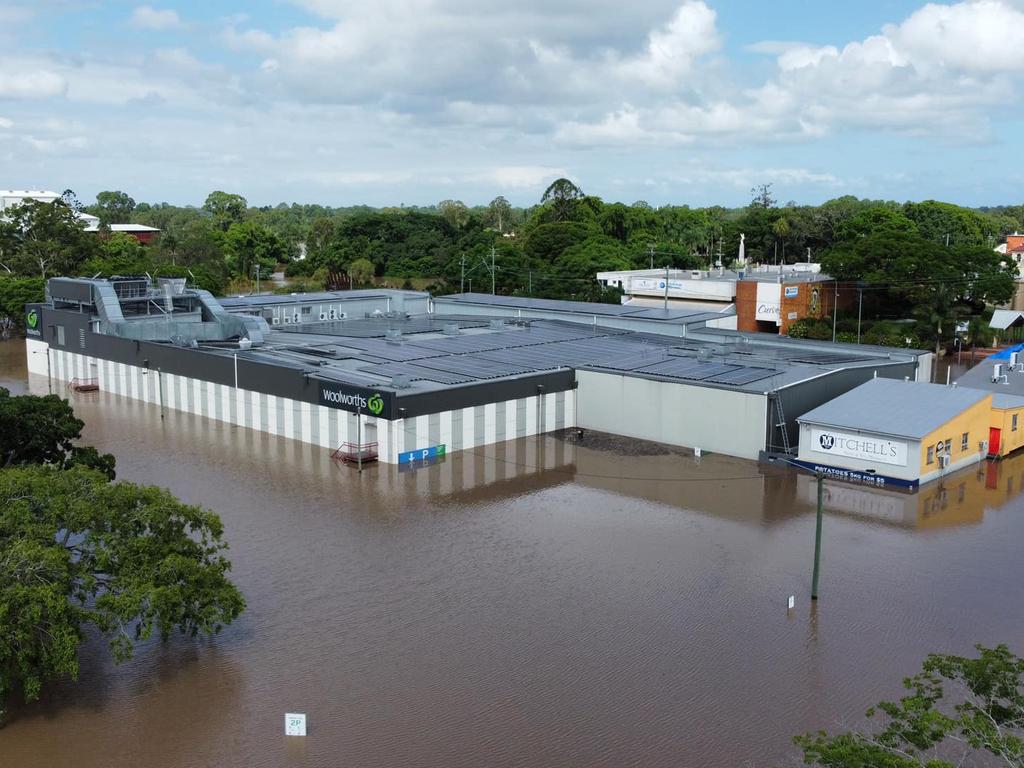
(356, 399)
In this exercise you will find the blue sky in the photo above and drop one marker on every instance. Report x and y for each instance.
(415, 101)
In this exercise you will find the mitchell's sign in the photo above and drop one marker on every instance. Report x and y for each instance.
(861, 447)
(355, 399)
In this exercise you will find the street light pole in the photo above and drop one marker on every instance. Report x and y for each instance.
(820, 476)
(817, 538)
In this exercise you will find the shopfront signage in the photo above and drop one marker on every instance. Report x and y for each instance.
(768, 302)
(355, 399)
(32, 323)
(423, 454)
(863, 447)
(792, 291)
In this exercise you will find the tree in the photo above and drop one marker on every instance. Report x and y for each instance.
(44, 238)
(562, 198)
(15, 293)
(454, 212)
(360, 271)
(77, 551)
(113, 208)
(248, 244)
(762, 196)
(982, 719)
(227, 208)
(499, 213)
(42, 430)
(119, 254)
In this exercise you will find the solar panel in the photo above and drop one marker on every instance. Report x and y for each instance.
(742, 376)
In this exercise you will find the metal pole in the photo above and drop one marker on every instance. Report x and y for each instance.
(492, 270)
(530, 291)
(666, 286)
(257, 278)
(817, 539)
(160, 385)
(359, 437)
(49, 377)
(860, 305)
(835, 312)
(235, 356)
(462, 280)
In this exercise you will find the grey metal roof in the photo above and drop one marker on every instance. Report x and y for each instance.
(261, 300)
(895, 407)
(1000, 400)
(580, 308)
(980, 377)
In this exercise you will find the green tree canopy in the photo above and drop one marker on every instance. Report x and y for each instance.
(958, 711)
(227, 208)
(113, 207)
(77, 551)
(43, 430)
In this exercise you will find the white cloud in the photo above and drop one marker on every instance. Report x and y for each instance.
(6, 122)
(148, 17)
(520, 176)
(18, 81)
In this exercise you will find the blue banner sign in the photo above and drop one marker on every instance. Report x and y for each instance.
(423, 454)
(853, 476)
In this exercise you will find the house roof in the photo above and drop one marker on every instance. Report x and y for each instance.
(1004, 318)
(895, 407)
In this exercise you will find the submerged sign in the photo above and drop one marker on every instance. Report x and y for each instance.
(355, 399)
(423, 454)
(863, 447)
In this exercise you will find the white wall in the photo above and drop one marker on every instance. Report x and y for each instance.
(717, 420)
(308, 422)
(908, 471)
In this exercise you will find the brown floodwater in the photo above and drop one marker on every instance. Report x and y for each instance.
(537, 603)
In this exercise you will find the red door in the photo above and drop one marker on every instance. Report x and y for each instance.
(993, 441)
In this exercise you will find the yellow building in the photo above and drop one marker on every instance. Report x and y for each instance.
(903, 433)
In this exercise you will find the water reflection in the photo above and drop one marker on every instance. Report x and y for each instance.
(541, 602)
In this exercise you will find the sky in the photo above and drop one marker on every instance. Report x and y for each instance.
(410, 102)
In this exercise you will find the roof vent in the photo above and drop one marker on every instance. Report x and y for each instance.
(393, 334)
(451, 329)
(401, 382)
(497, 324)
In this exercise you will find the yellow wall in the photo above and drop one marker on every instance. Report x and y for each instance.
(974, 421)
(1002, 419)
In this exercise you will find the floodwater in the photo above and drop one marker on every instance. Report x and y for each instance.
(540, 603)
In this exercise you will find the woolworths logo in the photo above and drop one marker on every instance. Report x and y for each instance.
(374, 403)
(32, 319)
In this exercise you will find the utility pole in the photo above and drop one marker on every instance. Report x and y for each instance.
(359, 437)
(666, 286)
(650, 252)
(860, 305)
(492, 270)
(530, 289)
(817, 538)
(462, 279)
(160, 385)
(835, 311)
(257, 278)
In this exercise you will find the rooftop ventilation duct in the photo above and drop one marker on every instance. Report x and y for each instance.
(451, 329)
(393, 334)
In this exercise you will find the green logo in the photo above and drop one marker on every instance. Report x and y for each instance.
(32, 319)
(375, 404)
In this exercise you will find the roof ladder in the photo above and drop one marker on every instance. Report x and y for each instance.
(781, 424)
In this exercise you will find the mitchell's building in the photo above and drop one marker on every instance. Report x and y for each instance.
(903, 433)
(413, 376)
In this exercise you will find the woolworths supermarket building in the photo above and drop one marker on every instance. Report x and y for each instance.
(408, 374)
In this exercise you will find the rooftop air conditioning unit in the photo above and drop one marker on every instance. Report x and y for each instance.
(275, 321)
(323, 315)
(695, 274)
(944, 461)
(997, 372)
(286, 319)
(334, 314)
(295, 317)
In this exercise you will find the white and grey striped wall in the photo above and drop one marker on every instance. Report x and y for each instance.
(457, 429)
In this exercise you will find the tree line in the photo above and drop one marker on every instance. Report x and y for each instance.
(921, 259)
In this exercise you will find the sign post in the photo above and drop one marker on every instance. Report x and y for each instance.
(294, 724)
